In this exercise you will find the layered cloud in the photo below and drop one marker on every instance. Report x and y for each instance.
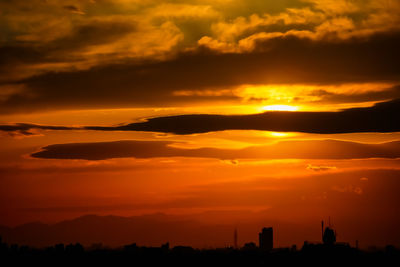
(119, 53)
(282, 60)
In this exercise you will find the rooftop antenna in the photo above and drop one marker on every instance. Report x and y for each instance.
(235, 243)
(322, 230)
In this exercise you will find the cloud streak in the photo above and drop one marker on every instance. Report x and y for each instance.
(312, 149)
(26, 128)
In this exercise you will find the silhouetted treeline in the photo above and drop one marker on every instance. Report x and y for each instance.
(134, 255)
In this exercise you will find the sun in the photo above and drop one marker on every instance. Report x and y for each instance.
(279, 108)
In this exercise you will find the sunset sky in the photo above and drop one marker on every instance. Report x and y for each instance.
(239, 113)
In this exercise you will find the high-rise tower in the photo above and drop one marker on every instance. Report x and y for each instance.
(266, 238)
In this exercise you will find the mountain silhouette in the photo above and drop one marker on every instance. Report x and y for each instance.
(200, 230)
(116, 231)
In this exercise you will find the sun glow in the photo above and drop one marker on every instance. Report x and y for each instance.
(279, 134)
(279, 108)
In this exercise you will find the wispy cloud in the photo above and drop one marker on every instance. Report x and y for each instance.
(320, 168)
(74, 9)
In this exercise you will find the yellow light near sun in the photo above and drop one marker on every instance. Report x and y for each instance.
(279, 108)
(279, 134)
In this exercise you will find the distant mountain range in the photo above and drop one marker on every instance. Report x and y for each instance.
(114, 231)
(209, 229)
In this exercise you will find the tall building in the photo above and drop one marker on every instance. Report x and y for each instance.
(266, 238)
(328, 234)
(329, 237)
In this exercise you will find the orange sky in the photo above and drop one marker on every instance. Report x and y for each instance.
(121, 76)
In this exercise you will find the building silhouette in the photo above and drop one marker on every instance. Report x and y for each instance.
(328, 235)
(266, 238)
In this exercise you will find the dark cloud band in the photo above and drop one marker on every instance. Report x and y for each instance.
(382, 117)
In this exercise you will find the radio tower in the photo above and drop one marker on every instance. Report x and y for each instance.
(235, 243)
